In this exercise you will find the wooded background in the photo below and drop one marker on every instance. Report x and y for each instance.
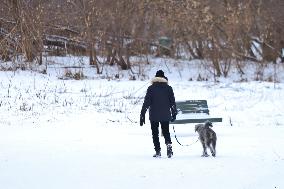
(220, 31)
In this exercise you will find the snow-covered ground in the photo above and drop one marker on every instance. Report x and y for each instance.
(85, 134)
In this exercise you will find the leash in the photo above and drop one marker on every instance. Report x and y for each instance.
(137, 101)
(140, 88)
(179, 142)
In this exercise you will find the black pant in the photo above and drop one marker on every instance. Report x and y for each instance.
(155, 133)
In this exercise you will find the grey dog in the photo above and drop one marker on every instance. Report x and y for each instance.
(207, 138)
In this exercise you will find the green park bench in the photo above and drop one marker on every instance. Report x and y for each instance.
(193, 111)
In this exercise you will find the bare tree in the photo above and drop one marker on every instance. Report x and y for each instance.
(216, 30)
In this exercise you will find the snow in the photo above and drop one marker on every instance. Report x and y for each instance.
(85, 134)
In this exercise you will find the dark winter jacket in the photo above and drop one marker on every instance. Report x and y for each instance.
(160, 100)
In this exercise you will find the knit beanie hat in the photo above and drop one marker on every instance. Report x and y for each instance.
(160, 73)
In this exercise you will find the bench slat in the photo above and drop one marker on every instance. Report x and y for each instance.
(200, 120)
(195, 111)
(201, 103)
(185, 105)
(193, 106)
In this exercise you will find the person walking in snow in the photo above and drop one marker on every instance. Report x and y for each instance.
(160, 101)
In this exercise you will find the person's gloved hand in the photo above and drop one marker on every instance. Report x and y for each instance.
(142, 119)
(174, 113)
(174, 117)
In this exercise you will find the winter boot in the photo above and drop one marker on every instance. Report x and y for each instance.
(169, 150)
(157, 154)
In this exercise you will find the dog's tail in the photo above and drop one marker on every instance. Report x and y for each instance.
(214, 144)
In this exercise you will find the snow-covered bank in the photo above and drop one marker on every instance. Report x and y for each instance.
(85, 134)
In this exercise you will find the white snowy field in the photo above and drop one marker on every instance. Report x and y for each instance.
(85, 134)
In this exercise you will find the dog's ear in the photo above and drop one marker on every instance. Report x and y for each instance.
(208, 124)
(196, 127)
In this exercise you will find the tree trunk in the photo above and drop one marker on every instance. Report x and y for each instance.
(269, 52)
(215, 59)
(216, 67)
(93, 58)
